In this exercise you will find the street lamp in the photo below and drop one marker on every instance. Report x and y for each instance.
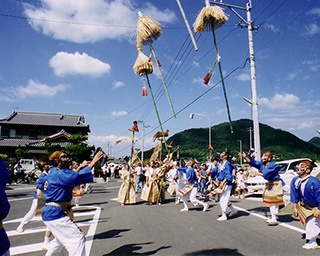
(240, 141)
(197, 114)
(143, 127)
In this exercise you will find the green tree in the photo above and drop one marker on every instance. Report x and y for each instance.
(21, 153)
(78, 149)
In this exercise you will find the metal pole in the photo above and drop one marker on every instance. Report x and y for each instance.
(240, 141)
(142, 142)
(143, 127)
(250, 136)
(255, 118)
(196, 114)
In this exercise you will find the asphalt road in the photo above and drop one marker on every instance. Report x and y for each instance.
(143, 229)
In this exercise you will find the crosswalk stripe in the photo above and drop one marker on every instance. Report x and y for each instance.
(34, 247)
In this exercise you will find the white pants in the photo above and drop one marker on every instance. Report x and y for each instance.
(312, 228)
(192, 195)
(30, 214)
(224, 199)
(67, 235)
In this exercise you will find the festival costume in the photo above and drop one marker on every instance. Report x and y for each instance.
(37, 202)
(126, 194)
(171, 177)
(225, 176)
(272, 195)
(4, 209)
(306, 193)
(57, 213)
(150, 191)
(191, 194)
(182, 180)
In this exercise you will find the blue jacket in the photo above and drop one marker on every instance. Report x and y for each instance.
(4, 207)
(270, 172)
(226, 172)
(60, 186)
(192, 177)
(311, 193)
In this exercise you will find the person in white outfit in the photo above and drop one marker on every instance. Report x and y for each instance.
(192, 193)
(225, 177)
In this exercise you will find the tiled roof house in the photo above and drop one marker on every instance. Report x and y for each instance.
(31, 129)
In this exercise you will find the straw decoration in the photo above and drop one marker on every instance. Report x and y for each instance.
(143, 64)
(210, 18)
(148, 30)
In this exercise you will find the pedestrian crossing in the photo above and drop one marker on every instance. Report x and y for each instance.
(35, 246)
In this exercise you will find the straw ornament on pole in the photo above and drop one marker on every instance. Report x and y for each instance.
(142, 65)
(209, 19)
(149, 30)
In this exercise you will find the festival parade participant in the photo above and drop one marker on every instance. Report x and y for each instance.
(57, 212)
(225, 178)
(305, 196)
(150, 192)
(273, 194)
(127, 194)
(37, 204)
(191, 189)
(4, 209)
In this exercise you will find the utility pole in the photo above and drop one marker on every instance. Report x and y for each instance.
(250, 136)
(254, 100)
(143, 127)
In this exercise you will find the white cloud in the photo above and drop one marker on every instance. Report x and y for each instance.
(197, 80)
(281, 102)
(313, 29)
(117, 84)
(292, 76)
(64, 63)
(35, 89)
(272, 27)
(89, 21)
(119, 113)
(244, 77)
(315, 11)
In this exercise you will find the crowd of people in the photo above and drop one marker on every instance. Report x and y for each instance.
(188, 181)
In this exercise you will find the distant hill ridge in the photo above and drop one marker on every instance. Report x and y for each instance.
(193, 143)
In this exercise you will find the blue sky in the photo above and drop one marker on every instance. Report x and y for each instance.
(76, 57)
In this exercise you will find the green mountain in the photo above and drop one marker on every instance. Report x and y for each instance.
(315, 141)
(193, 143)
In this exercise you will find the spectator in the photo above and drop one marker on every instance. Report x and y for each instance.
(140, 177)
(17, 172)
(241, 185)
(203, 178)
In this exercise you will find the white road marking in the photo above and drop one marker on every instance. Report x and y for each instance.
(263, 217)
(34, 247)
(19, 199)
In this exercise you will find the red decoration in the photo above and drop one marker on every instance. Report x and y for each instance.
(159, 63)
(150, 58)
(206, 79)
(135, 127)
(144, 91)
